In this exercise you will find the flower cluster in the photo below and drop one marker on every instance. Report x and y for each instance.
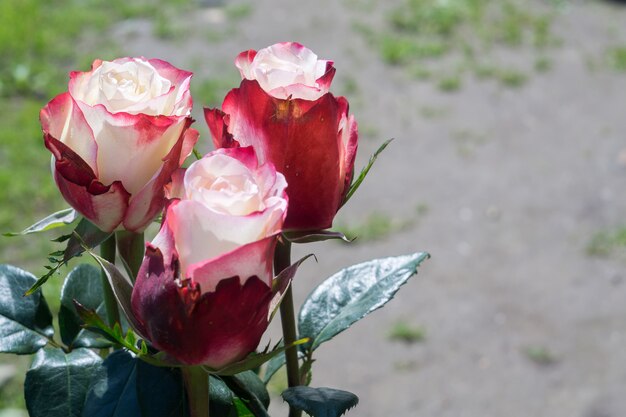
(285, 149)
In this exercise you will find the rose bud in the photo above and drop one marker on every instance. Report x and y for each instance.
(116, 136)
(283, 109)
(204, 290)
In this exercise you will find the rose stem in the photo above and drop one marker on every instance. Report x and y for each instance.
(107, 251)
(131, 249)
(282, 259)
(197, 384)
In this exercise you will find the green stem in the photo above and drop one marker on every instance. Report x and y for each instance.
(107, 251)
(131, 249)
(282, 259)
(197, 384)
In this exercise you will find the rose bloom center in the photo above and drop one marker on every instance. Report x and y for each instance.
(236, 194)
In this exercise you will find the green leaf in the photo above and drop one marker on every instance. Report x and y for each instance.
(357, 183)
(25, 322)
(315, 236)
(57, 382)
(353, 293)
(85, 236)
(320, 402)
(58, 219)
(250, 389)
(121, 286)
(160, 391)
(254, 360)
(273, 365)
(84, 285)
(220, 398)
(130, 387)
(114, 392)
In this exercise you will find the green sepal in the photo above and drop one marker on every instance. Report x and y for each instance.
(254, 360)
(357, 183)
(85, 236)
(53, 221)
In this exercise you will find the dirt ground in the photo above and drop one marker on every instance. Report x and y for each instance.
(512, 184)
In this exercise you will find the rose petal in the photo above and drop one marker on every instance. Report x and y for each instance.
(300, 138)
(131, 148)
(214, 329)
(104, 206)
(147, 203)
(61, 118)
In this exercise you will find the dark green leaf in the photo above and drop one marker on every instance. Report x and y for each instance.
(314, 236)
(58, 219)
(320, 402)
(357, 183)
(353, 293)
(160, 391)
(121, 286)
(83, 284)
(114, 392)
(85, 235)
(251, 389)
(241, 410)
(220, 398)
(25, 322)
(57, 382)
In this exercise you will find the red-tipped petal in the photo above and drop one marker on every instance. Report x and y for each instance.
(61, 118)
(104, 206)
(218, 126)
(213, 329)
(148, 202)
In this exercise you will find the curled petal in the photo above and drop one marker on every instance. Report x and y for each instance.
(61, 118)
(104, 206)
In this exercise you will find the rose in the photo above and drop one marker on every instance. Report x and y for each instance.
(283, 109)
(116, 136)
(204, 290)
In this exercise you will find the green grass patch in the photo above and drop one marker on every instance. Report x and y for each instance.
(468, 30)
(401, 331)
(540, 355)
(605, 243)
(617, 58)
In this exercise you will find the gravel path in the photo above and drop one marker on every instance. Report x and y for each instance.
(512, 183)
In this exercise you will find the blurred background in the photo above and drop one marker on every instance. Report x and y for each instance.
(508, 166)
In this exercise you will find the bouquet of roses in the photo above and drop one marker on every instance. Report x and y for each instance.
(173, 327)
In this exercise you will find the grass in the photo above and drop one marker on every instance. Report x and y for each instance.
(401, 331)
(617, 58)
(605, 243)
(540, 355)
(377, 226)
(424, 31)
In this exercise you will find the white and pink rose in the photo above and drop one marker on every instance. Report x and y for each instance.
(116, 136)
(204, 291)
